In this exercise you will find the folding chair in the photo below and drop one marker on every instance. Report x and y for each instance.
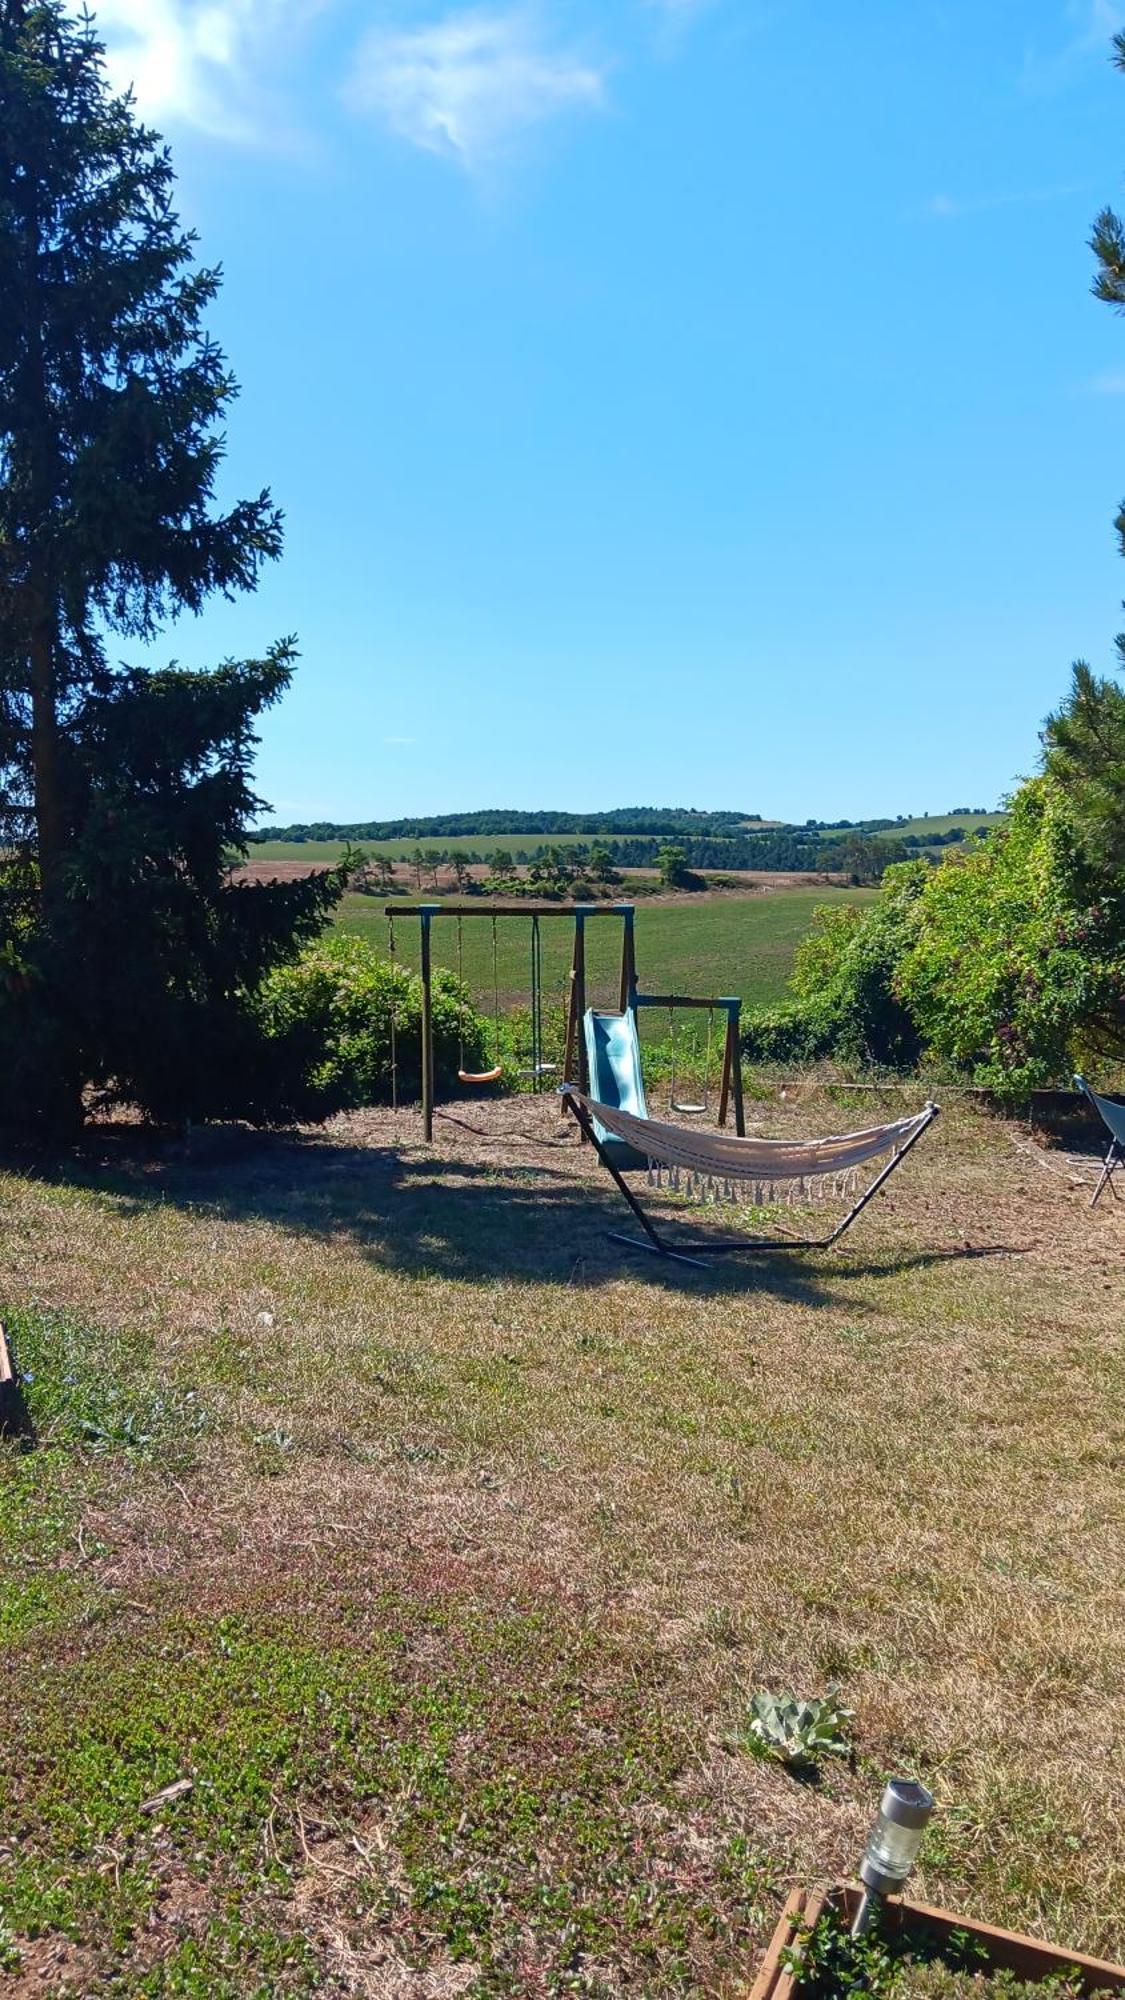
(1113, 1118)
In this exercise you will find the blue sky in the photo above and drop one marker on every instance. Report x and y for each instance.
(672, 401)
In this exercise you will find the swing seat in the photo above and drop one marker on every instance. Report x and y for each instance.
(540, 1069)
(480, 1076)
(690, 1110)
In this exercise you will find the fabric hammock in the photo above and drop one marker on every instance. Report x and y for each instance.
(815, 1167)
(758, 1172)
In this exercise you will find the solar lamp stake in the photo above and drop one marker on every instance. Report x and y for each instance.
(892, 1846)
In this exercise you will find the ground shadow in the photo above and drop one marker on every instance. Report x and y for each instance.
(430, 1215)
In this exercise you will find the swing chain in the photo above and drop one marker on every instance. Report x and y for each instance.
(394, 1014)
(686, 1109)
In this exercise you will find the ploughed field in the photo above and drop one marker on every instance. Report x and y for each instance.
(382, 1598)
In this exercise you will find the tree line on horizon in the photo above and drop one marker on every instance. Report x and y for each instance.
(861, 855)
(657, 822)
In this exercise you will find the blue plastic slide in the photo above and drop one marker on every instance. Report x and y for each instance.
(613, 1056)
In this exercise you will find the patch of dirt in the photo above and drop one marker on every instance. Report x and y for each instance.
(52, 1968)
(377, 1972)
(278, 871)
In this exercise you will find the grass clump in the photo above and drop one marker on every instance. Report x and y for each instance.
(99, 1391)
(90, 1395)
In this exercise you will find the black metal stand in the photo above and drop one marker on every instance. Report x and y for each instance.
(694, 1250)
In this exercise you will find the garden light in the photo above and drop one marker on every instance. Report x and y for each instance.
(892, 1845)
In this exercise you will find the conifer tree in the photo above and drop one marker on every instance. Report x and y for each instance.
(1085, 739)
(128, 958)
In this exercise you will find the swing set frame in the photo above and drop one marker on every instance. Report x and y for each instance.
(630, 998)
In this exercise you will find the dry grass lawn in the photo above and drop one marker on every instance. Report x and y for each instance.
(441, 1548)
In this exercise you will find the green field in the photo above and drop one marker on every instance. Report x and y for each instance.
(729, 944)
(944, 823)
(313, 851)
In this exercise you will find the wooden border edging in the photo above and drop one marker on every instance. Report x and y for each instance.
(1031, 1958)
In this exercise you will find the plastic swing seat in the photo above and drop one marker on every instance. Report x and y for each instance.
(480, 1076)
(689, 1110)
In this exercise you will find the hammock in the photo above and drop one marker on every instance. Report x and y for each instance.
(757, 1172)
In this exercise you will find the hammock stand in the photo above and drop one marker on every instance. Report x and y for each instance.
(589, 1115)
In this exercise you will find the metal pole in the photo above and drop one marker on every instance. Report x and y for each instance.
(1107, 1174)
(866, 1913)
(895, 1160)
(580, 998)
(571, 1017)
(427, 1028)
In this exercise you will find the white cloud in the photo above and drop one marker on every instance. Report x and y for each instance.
(466, 86)
(949, 207)
(1090, 26)
(673, 20)
(1111, 382)
(198, 62)
(678, 13)
(1095, 23)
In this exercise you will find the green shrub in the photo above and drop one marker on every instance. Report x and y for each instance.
(846, 967)
(1007, 960)
(794, 1032)
(1016, 970)
(845, 1000)
(329, 1020)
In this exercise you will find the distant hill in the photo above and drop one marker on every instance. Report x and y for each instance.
(665, 821)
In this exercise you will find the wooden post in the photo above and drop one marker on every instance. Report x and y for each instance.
(425, 914)
(732, 1069)
(628, 962)
(724, 1088)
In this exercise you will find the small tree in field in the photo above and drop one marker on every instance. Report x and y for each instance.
(601, 866)
(503, 876)
(672, 862)
(128, 958)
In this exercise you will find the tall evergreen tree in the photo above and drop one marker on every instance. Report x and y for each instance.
(1084, 740)
(127, 957)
